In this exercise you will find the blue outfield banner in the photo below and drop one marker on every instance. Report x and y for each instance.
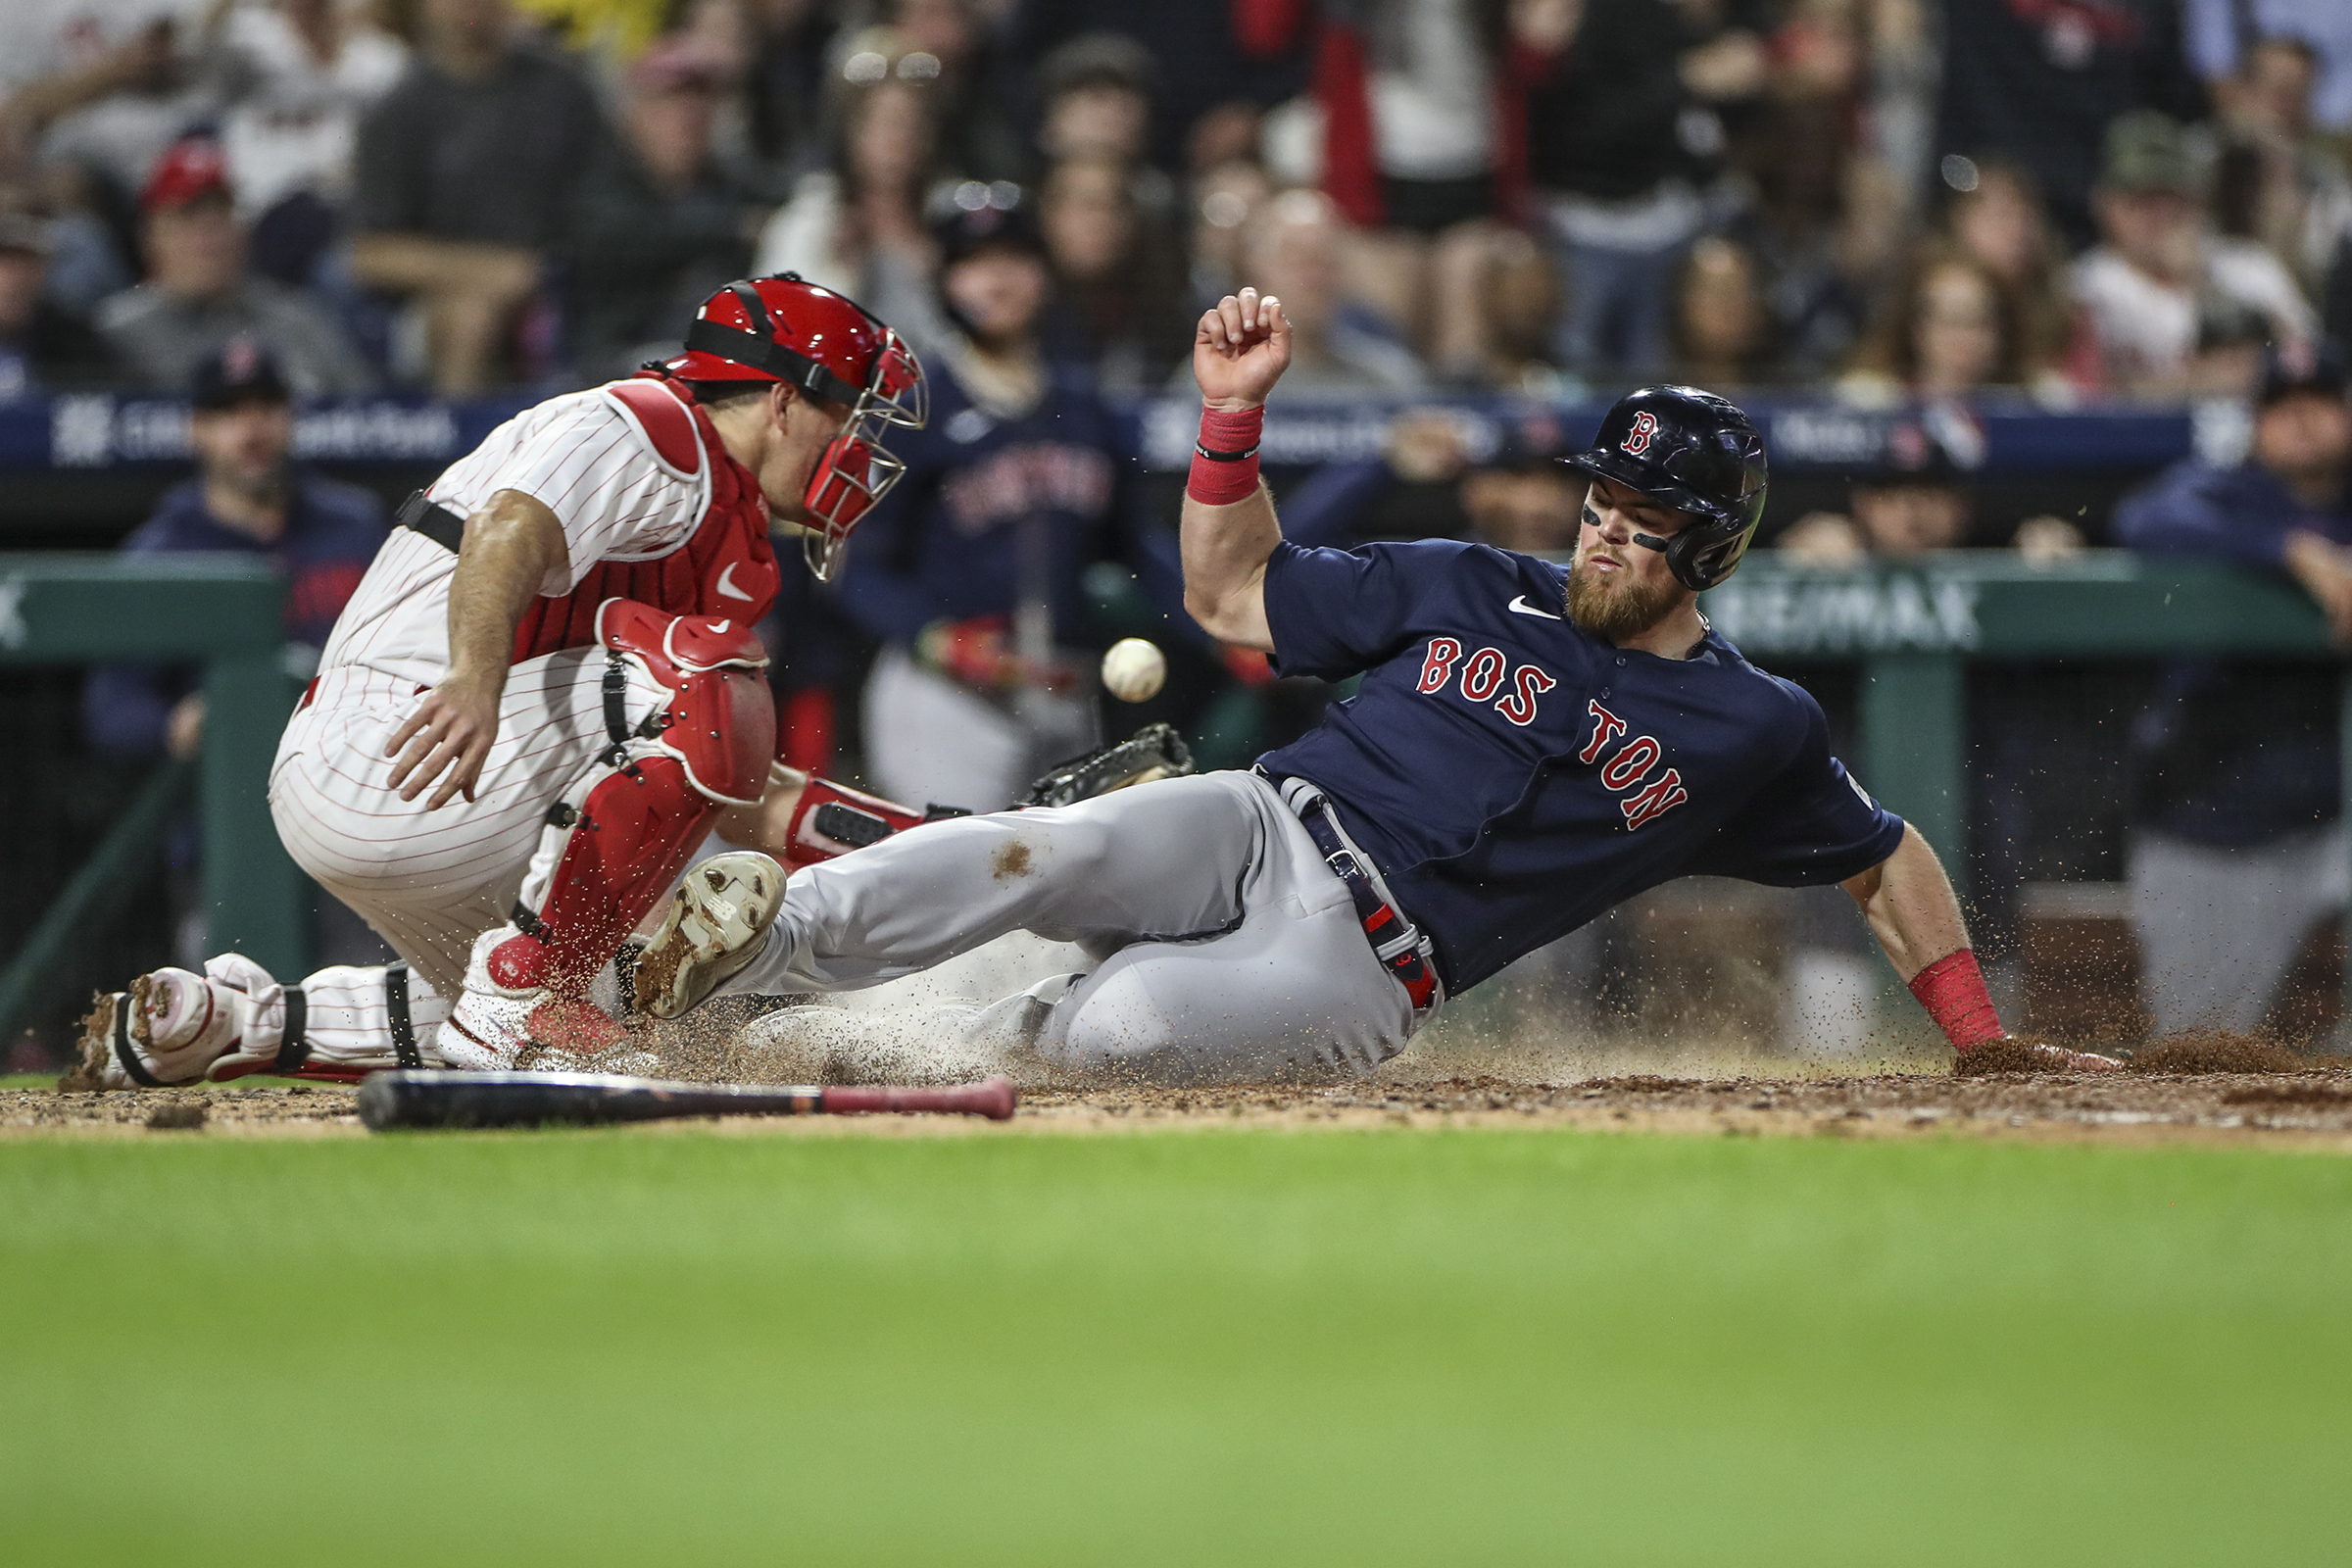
(107, 430)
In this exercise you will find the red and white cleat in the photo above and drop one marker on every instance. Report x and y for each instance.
(715, 924)
(507, 1019)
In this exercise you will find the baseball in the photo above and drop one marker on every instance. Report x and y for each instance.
(1134, 670)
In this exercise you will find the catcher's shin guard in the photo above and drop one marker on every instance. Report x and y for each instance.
(630, 825)
(831, 819)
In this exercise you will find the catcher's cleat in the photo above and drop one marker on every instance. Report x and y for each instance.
(168, 1029)
(715, 924)
(507, 1019)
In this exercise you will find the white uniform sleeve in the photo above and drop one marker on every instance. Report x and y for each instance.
(594, 468)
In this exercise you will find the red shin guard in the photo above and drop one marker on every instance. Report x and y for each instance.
(626, 842)
(832, 821)
(1953, 989)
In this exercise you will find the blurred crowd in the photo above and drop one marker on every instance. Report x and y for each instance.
(2061, 199)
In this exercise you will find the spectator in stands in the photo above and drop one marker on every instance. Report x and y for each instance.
(1952, 327)
(248, 498)
(1607, 156)
(2298, 198)
(1337, 347)
(857, 225)
(1431, 481)
(294, 76)
(657, 223)
(785, 94)
(1723, 332)
(199, 296)
(972, 82)
(1995, 216)
(1916, 502)
(1419, 101)
(2236, 850)
(2040, 82)
(42, 348)
(2219, 30)
(464, 178)
(2158, 268)
(1119, 304)
(1226, 202)
(971, 571)
(1216, 67)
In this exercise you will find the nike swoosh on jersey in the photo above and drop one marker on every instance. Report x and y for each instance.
(1520, 607)
(726, 585)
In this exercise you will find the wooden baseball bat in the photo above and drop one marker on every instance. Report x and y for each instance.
(415, 1099)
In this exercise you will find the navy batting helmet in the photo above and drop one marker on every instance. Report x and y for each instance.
(1700, 454)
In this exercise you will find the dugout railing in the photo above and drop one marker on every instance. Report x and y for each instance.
(220, 612)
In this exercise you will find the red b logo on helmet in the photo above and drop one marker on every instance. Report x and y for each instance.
(1637, 440)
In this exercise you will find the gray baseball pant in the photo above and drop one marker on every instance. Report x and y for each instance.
(1225, 947)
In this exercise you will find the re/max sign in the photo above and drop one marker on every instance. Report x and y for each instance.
(1840, 614)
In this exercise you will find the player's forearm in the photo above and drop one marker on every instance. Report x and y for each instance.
(510, 546)
(1225, 553)
(1911, 907)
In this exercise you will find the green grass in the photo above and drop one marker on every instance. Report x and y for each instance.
(1381, 1348)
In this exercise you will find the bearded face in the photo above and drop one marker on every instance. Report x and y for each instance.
(1617, 591)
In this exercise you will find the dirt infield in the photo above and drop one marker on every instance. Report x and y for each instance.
(2167, 1099)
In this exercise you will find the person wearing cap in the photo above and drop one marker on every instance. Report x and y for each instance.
(973, 576)
(199, 295)
(2236, 850)
(41, 347)
(2159, 271)
(248, 497)
(657, 223)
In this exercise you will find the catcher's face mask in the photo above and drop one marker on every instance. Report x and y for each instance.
(856, 468)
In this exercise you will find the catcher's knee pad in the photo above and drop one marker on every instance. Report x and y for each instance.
(831, 819)
(629, 824)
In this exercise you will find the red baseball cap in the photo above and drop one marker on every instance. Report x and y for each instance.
(190, 167)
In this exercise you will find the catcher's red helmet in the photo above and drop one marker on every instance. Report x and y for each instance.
(782, 328)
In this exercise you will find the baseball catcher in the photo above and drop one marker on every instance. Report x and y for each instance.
(1529, 746)
(541, 698)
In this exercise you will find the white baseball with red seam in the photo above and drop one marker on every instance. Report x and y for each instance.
(1134, 670)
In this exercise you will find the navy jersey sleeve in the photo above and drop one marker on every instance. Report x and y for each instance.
(1336, 612)
(1810, 826)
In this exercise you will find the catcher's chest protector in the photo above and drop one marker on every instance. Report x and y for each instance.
(724, 569)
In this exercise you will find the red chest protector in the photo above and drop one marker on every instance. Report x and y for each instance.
(723, 568)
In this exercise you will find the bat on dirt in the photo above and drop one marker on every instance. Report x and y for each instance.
(426, 1099)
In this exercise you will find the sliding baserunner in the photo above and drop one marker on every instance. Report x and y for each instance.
(1531, 745)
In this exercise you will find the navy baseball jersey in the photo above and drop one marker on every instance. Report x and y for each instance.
(1513, 775)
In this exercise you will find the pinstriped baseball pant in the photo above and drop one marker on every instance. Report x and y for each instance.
(428, 882)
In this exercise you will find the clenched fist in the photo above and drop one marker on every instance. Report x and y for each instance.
(1240, 350)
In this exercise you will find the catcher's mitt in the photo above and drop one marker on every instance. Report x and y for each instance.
(1155, 752)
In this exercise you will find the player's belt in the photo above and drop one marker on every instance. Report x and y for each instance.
(430, 518)
(1396, 940)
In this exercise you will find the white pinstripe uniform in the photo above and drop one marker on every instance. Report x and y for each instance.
(429, 882)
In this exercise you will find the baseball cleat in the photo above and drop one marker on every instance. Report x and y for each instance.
(715, 924)
(506, 1019)
(168, 1029)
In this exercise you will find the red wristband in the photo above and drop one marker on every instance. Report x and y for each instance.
(1953, 989)
(1225, 459)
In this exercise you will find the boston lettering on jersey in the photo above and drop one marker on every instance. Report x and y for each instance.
(1513, 775)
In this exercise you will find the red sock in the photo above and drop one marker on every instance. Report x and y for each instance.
(1953, 989)
(1225, 459)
